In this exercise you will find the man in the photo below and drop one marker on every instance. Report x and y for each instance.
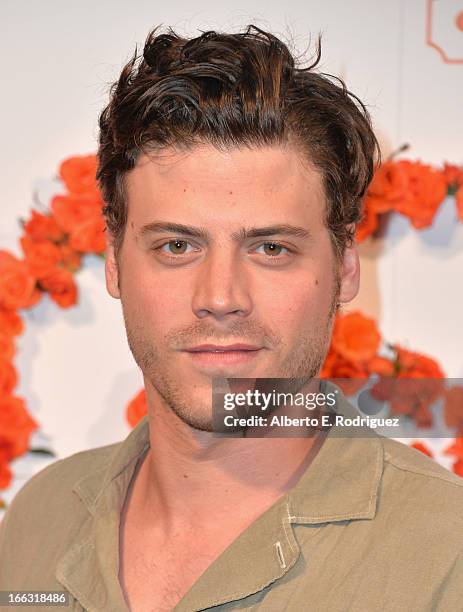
(233, 182)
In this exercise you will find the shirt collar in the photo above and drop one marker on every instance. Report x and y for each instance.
(341, 483)
(92, 487)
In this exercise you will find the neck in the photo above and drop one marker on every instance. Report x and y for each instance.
(189, 476)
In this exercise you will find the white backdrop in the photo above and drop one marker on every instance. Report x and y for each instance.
(57, 59)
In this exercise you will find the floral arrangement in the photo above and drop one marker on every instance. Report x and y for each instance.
(411, 188)
(52, 245)
(54, 242)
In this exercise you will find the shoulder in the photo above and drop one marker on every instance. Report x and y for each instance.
(53, 513)
(422, 488)
(48, 496)
(46, 516)
(62, 475)
(65, 491)
(408, 460)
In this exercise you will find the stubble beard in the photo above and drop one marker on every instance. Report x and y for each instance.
(303, 363)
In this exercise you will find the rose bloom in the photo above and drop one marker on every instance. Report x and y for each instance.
(10, 322)
(453, 175)
(70, 258)
(17, 284)
(78, 173)
(40, 256)
(368, 224)
(89, 236)
(61, 286)
(356, 337)
(7, 347)
(453, 408)
(388, 187)
(6, 474)
(8, 376)
(16, 425)
(137, 408)
(459, 203)
(427, 189)
(74, 209)
(43, 227)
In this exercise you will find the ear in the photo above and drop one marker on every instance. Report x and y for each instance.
(111, 269)
(350, 274)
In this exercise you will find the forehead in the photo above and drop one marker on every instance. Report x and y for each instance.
(276, 181)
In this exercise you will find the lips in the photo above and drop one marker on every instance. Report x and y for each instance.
(218, 348)
(216, 359)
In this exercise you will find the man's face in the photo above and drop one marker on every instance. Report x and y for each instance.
(226, 248)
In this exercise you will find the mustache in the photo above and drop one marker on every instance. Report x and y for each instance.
(201, 332)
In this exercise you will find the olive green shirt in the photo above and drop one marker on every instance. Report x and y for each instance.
(371, 525)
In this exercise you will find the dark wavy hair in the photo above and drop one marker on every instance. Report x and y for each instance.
(231, 90)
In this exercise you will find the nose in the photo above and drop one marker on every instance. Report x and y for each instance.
(221, 286)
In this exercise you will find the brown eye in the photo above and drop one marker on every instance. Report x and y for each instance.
(177, 246)
(272, 248)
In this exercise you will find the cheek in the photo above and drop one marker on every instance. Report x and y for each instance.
(294, 305)
(154, 306)
(146, 300)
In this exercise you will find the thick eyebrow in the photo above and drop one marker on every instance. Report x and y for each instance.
(242, 234)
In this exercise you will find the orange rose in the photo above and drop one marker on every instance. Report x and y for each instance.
(70, 258)
(74, 209)
(8, 376)
(456, 448)
(427, 188)
(5, 451)
(7, 348)
(422, 448)
(368, 225)
(6, 477)
(457, 467)
(349, 376)
(41, 256)
(16, 425)
(137, 408)
(389, 388)
(414, 407)
(388, 187)
(453, 408)
(383, 389)
(418, 385)
(355, 337)
(415, 365)
(10, 322)
(89, 237)
(422, 415)
(17, 285)
(43, 227)
(61, 287)
(348, 369)
(459, 203)
(79, 173)
(453, 176)
(381, 365)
